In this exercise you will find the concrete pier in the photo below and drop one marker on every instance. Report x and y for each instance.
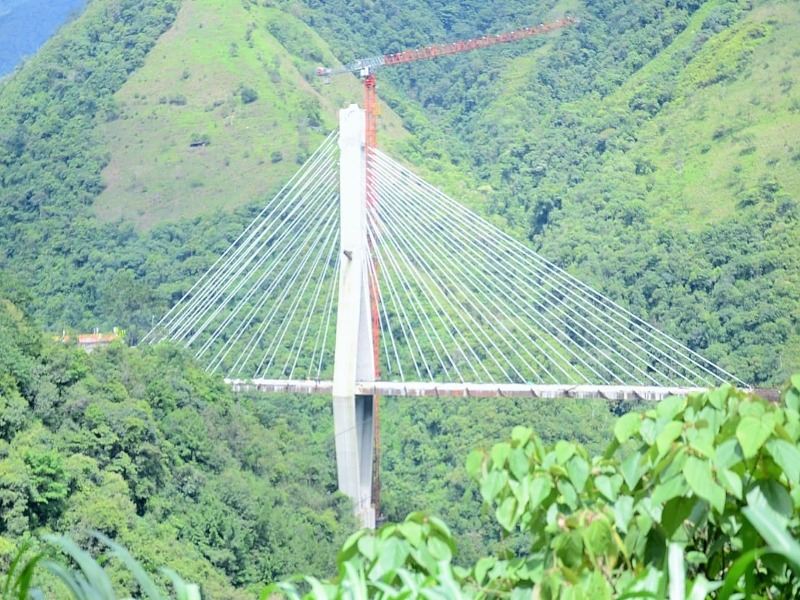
(353, 361)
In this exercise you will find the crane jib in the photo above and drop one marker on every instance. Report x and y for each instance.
(366, 65)
(466, 45)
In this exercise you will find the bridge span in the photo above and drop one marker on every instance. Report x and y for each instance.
(414, 389)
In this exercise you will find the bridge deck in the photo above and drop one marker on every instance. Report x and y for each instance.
(463, 390)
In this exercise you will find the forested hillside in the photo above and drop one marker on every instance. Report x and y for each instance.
(143, 446)
(146, 448)
(650, 149)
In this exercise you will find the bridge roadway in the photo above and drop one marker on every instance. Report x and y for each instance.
(464, 390)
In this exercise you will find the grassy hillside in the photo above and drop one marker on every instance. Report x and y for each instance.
(732, 120)
(224, 110)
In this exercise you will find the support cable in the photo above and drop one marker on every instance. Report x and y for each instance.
(302, 224)
(189, 308)
(514, 249)
(321, 151)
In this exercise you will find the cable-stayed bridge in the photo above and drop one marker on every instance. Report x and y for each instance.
(360, 279)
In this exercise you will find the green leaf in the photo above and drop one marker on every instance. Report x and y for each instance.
(569, 549)
(675, 512)
(603, 485)
(350, 547)
(626, 426)
(412, 532)
(518, 463)
(716, 497)
(568, 494)
(521, 434)
(774, 534)
(474, 463)
(623, 513)
(752, 408)
(727, 454)
(440, 549)
(670, 406)
(776, 496)
(367, 546)
(482, 568)
(731, 482)
(540, 489)
(631, 469)
(787, 457)
(753, 431)
(669, 434)
(564, 451)
(436, 524)
(492, 484)
(578, 470)
(599, 539)
(520, 490)
(792, 397)
(648, 431)
(718, 396)
(355, 582)
(505, 513)
(500, 453)
(701, 481)
(655, 547)
(667, 490)
(703, 442)
(392, 555)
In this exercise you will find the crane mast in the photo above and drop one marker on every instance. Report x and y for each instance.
(365, 67)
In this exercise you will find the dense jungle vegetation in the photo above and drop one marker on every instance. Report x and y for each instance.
(146, 448)
(631, 149)
(652, 150)
(141, 445)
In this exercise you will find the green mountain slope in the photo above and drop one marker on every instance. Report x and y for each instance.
(144, 447)
(223, 111)
(650, 149)
(685, 204)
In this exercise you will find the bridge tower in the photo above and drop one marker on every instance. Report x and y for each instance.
(354, 425)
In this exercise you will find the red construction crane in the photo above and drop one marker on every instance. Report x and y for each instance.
(365, 67)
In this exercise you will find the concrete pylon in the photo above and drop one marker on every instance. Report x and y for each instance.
(354, 358)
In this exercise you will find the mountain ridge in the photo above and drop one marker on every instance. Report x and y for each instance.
(569, 140)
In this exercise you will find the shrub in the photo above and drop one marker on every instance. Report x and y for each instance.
(698, 495)
(248, 95)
